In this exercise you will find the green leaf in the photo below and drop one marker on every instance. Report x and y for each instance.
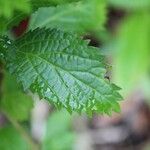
(11, 139)
(58, 135)
(12, 12)
(14, 102)
(44, 3)
(131, 4)
(17, 16)
(79, 17)
(131, 61)
(63, 69)
(7, 7)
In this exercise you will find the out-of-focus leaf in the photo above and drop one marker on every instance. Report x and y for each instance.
(10, 139)
(131, 62)
(58, 135)
(7, 7)
(131, 4)
(17, 16)
(2, 26)
(43, 3)
(145, 87)
(80, 17)
(17, 104)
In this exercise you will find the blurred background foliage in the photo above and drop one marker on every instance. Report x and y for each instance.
(58, 134)
(121, 28)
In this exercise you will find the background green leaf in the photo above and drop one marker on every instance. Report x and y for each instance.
(80, 17)
(131, 61)
(7, 7)
(131, 4)
(17, 15)
(58, 134)
(14, 102)
(10, 139)
(44, 3)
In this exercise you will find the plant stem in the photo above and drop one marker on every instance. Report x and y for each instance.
(23, 132)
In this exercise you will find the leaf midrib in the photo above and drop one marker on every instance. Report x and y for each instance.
(53, 65)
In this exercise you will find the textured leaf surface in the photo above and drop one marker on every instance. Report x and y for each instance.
(61, 68)
(11, 139)
(79, 17)
(58, 133)
(17, 104)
